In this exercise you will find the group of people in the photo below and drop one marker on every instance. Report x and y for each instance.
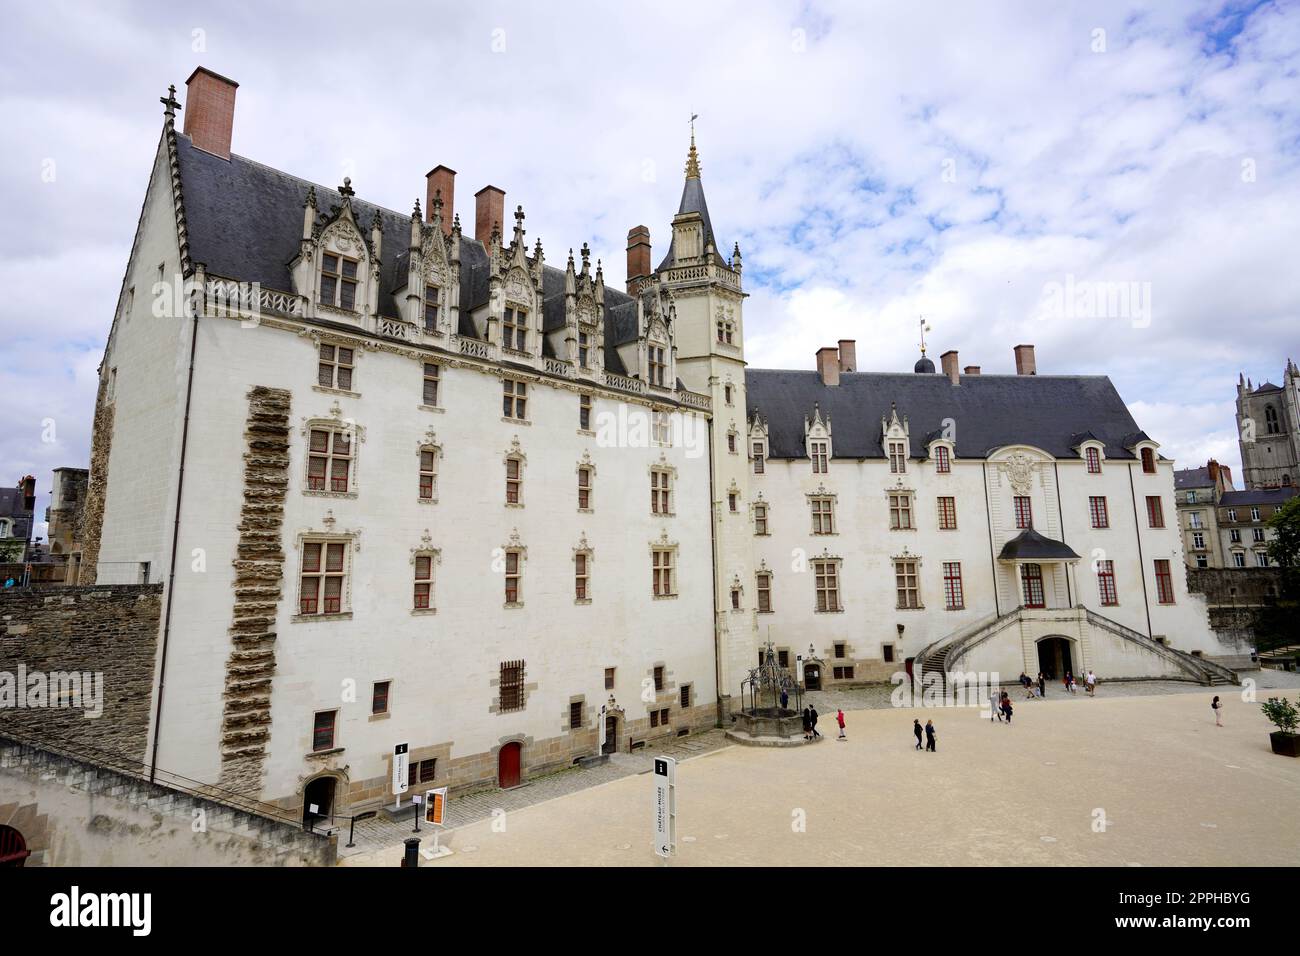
(810, 731)
(1071, 686)
(929, 734)
(1000, 706)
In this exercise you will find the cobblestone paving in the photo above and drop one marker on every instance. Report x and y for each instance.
(472, 807)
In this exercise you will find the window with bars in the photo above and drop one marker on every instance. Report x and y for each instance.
(511, 685)
(575, 715)
(660, 492)
(426, 770)
(659, 677)
(1097, 511)
(906, 584)
(1024, 511)
(334, 367)
(826, 582)
(661, 570)
(760, 518)
(942, 464)
(379, 697)
(322, 731)
(759, 461)
(514, 481)
(658, 365)
(428, 472)
(1148, 461)
(897, 457)
(329, 460)
(514, 330)
(338, 281)
(581, 576)
(431, 308)
(584, 489)
(839, 649)
(514, 399)
(584, 412)
(324, 570)
(514, 576)
(764, 591)
(843, 673)
(423, 582)
(1106, 583)
(953, 597)
(684, 696)
(823, 514)
(947, 514)
(431, 377)
(1164, 582)
(818, 451)
(1155, 512)
(1094, 461)
(1031, 585)
(900, 512)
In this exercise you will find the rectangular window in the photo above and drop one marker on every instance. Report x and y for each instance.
(818, 452)
(1097, 511)
(826, 578)
(428, 770)
(514, 331)
(334, 369)
(953, 597)
(1238, 559)
(1232, 512)
(1235, 536)
(900, 512)
(659, 677)
(726, 393)
(321, 587)
(514, 481)
(430, 384)
(514, 400)
(839, 650)
(947, 514)
(823, 515)
(731, 443)
(584, 349)
(609, 678)
(512, 685)
(783, 658)
(1198, 540)
(888, 652)
(322, 733)
(942, 464)
(654, 718)
(1094, 461)
(1254, 514)
(584, 489)
(1202, 561)
(1194, 520)
(431, 308)
(1261, 559)
(423, 581)
(1257, 534)
(660, 492)
(661, 570)
(897, 457)
(1155, 512)
(514, 575)
(760, 518)
(581, 575)
(662, 429)
(1106, 583)
(338, 281)
(759, 463)
(1148, 461)
(1031, 580)
(906, 584)
(658, 366)
(1164, 582)
(379, 697)
(764, 592)
(584, 412)
(1024, 512)
(684, 698)
(329, 460)
(575, 715)
(732, 499)
(428, 473)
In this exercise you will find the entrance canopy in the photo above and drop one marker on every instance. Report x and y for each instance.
(1031, 546)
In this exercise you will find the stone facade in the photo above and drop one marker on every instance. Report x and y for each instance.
(92, 515)
(1235, 596)
(1268, 425)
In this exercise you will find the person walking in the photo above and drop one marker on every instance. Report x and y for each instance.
(929, 736)
(785, 699)
(1218, 711)
(1006, 708)
(1042, 686)
(807, 724)
(839, 719)
(813, 724)
(916, 729)
(995, 706)
(1090, 683)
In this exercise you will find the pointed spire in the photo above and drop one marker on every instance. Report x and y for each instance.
(437, 207)
(377, 222)
(416, 214)
(170, 102)
(519, 223)
(692, 157)
(311, 197)
(346, 189)
(586, 259)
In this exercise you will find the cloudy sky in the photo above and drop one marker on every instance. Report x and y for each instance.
(1114, 182)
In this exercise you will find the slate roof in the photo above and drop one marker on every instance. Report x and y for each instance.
(1029, 545)
(988, 411)
(11, 502)
(1257, 496)
(693, 201)
(1193, 478)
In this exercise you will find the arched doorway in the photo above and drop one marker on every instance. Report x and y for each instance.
(611, 734)
(812, 675)
(319, 793)
(13, 848)
(1054, 657)
(508, 765)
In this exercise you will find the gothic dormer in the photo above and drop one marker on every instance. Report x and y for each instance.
(514, 319)
(817, 439)
(895, 440)
(432, 280)
(337, 266)
(584, 314)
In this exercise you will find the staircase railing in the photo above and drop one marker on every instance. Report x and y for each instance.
(1197, 667)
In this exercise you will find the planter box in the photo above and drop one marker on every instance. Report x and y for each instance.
(1288, 745)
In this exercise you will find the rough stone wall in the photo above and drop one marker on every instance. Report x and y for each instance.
(111, 630)
(92, 515)
(1235, 586)
(73, 813)
(259, 570)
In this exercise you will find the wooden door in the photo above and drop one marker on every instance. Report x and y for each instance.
(508, 766)
(611, 735)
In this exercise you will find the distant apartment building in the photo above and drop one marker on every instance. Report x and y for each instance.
(1196, 495)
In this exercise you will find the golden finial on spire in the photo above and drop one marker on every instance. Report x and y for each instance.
(924, 328)
(692, 157)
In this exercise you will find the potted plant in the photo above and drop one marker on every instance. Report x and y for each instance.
(1282, 713)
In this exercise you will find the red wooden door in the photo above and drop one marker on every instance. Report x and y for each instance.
(508, 766)
(13, 848)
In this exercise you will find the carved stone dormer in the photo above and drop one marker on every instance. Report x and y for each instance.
(431, 301)
(515, 290)
(817, 429)
(338, 261)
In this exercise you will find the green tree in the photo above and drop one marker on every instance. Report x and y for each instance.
(1275, 625)
(1284, 549)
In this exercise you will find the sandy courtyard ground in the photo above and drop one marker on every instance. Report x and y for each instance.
(1170, 787)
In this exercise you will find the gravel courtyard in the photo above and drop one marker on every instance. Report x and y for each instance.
(1119, 780)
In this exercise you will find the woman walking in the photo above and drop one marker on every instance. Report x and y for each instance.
(929, 736)
(1006, 708)
(1218, 711)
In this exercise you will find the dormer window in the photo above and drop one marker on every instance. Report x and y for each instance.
(338, 281)
(897, 457)
(759, 459)
(942, 464)
(1093, 457)
(658, 366)
(584, 349)
(1148, 461)
(430, 308)
(818, 451)
(515, 329)
(335, 367)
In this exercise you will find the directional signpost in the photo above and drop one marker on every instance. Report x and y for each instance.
(665, 777)
(401, 762)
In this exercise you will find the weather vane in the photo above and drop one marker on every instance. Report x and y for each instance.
(920, 319)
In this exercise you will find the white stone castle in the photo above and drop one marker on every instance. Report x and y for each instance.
(407, 486)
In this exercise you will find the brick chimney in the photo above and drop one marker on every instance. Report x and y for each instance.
(848, 355)
(210, 111)
(828, 365)
(971, 370)
(1025, 360)
(442, 180)
(28, 485)
(638, 256)
(489, 211)
(948, 361)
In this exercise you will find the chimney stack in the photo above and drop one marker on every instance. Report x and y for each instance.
(28, 485)
(828, 365)
(489, 211)
(210, 111)
(848, 355)
(948, 360)
(638, 256)
(442, 180)
(971, 370)
(1212, 467)
(1025, 360)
